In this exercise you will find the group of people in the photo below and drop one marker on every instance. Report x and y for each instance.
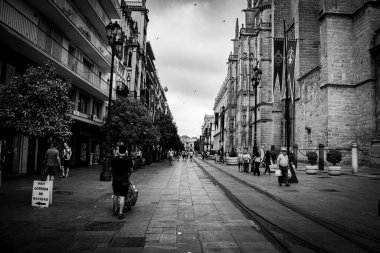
(264, 158)
(171, 155)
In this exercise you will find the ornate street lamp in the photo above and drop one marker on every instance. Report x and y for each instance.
(116, 39)
(256, 78)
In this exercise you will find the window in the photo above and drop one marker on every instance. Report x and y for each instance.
(130, 59)
(83, 103)
(96, 109)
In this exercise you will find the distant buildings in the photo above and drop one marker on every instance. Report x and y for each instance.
(72, 35)
(188, 142)
(334, 100)
(208, 129)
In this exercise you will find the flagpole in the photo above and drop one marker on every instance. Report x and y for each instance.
(287, 123)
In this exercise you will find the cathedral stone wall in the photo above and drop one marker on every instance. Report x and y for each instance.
(311, 113)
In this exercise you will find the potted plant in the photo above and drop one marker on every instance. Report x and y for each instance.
(232, 159)
(312, 157)
(334, 157)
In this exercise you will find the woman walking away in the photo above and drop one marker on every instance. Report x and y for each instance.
(66, 159)
(283, 163)
(267, 162)
(256, 163)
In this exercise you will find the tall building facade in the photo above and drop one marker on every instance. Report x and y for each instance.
(335, 100)
(72, 35)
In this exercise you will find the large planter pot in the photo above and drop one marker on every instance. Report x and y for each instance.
(311, 169)
(231, 160)
(335, 170)
(273, 167)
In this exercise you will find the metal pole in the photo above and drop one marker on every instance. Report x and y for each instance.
(255, 123)
(287, 123)
(105, 175)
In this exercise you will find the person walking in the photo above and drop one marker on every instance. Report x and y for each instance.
(256, 163)
(66, 159)
(267, 162)
(170, 156)
(246, 161)
(122, 168)
(221, 156)
(53, 162)
(283, 163)
(240, 160)
(191, 153)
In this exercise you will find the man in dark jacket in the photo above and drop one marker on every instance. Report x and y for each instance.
(122, 168)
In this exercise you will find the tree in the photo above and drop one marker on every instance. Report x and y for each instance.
(130, 122)
(36, 104)
(169, 132)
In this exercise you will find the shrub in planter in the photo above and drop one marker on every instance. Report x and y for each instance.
(233, 153)
(312, 157)
(334, 156)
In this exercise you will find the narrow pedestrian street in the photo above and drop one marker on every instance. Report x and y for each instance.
(179, 209)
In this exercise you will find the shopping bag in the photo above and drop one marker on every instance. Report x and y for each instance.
(278, 173)
(289, 173)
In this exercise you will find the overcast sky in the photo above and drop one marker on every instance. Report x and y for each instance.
(191, 41)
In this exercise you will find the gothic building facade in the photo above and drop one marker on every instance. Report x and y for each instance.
(335, 98)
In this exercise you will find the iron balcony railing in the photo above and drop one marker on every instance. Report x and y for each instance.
(79, 23)
(99, 9)
(14, 19)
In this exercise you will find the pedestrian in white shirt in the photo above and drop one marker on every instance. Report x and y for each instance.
(283, 164)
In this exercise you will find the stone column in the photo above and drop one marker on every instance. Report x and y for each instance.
(354, 156)
(321, 163)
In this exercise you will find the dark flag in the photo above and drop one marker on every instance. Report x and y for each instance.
(290, 61)
(278, 56)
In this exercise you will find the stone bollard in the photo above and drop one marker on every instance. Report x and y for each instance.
(321, 163)
(354, 159)
(295, 153)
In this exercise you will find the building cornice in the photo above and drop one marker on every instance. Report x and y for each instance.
(365, 5)
(309, 73)
(346, 86)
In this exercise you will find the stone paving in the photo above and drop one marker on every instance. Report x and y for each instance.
(178, 210)
(350, 200)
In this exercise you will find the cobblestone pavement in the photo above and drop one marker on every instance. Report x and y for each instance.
(178, 210)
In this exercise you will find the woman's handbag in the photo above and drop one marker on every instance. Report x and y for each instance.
(278, 173)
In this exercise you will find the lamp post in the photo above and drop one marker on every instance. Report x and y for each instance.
(222, 125)
(255, 83)
(116, 40)
(210, 132)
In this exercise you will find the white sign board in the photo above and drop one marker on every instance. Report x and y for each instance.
(42, 193)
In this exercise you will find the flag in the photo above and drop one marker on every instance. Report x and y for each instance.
(290, 63)
(278, 56)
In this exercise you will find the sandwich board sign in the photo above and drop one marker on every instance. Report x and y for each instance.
(42, 193)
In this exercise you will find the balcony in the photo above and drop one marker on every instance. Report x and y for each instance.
(73, 25)
(97, 16)
(112, 8)
(25, 37)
